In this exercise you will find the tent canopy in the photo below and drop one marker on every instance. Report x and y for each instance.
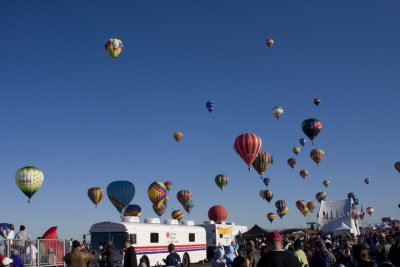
(254, 232)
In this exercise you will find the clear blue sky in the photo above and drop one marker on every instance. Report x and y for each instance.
(86, 121)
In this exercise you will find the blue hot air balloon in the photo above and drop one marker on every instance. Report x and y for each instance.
(266, 181)
(210, 106)
(120, 194)
(302, 141)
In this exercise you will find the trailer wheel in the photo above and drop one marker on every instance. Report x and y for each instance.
(186, 260)
(146, 260)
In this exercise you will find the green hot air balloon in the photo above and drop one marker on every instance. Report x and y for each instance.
(29, 180)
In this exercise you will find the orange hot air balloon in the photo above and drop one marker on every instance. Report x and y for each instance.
(301, 204)
(311, 206)
(95, 194)
(178, 136)
(218, 213)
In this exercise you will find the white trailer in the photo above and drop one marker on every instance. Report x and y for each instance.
(220, 234)
(150, 239)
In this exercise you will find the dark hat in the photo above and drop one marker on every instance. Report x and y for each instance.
(274, 236)
(298, 244)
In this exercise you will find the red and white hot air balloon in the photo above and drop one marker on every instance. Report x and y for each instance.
(248, 145)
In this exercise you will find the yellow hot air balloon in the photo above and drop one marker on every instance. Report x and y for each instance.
(296, 150)
(177, 215)
(29, 180)
(95, 194)
(114, 47)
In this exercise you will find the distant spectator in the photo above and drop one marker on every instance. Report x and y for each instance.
(109, 254)
(252, 254)
(31, 253)
(229, 255)
(78, 257)
(6, 262)
(20, 238)
(17, 261)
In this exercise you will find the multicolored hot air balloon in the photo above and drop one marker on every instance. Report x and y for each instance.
(261, 193)
(292, 162)
(178, 136)
(218, 214)
(177, 215)
(261, 162)
(120, 193)
(160, 210)
(210, 106)
(133, 210)
(114, 47)
(311, 128)
(301, 204)
(304, 174)
(29, 180)
(397, 166)
(269, 42)
(157, 193)
(370, 210)
(277, 112)
(168, 185)
(302, 141)
(317, 155)
(268, 195)
(280, 204)
(271, 217)
(266, 181)
(247, 146)
(95, 194)
(326, 183)
(367, 180)
(321, 196)
(189, 206)
(296, 150)
(317, 101)
(184, 196)
(283, 212)
(311, 206)
(221, 180)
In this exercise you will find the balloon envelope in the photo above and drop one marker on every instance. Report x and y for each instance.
(311, 206)
(168, 185)
(189, 206)
(133, 210)
(302, 141)
(271, 217)
(269, 42)
(114, 47)
(120, 193)
(160, 210)
(29, 180)
(218, 213)
(317, 155)
(370, 210)
(177, 215)
(266, 181)
(277, 112)
(210, 106)
(296, 150)
(326, 183)
(367, 180)
(397, 166)
(292, 162)
(248, 145)
(311, 128)
(157, 193)
(178, 136)
(184, 196)
(95, 194)
(321, 196)
(261, 162)
(268, 195)
(304, 174)
(317, 101)
(221, 180)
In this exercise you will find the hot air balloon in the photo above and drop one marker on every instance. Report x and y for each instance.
(114, 47)
(210, 106)
(168, 185)
(177, 215)
(160, 210)
(166, 199)
(247, 146)
(367, 180)
(268, 195)
(184, 196)
(178, 136)
(311, 206)
(120, 193)
(218, 214)
(261, 162)
(397, 166)
(304, 174)
(302, 141)
(189, 206)
(292, 162)
(296, 150)
(311, 128)
(277, 112)
(29, 180)
(317, 155)
(271, 160)
(317, 101)
(266, 181)
(301, 204)
(261, 193)
(398, 205)
(271, 217)
(321, 196)
(95, 194)
(370, 210)
(280, 204)
(269, 42)
(221, 180)
(157, 193)
(133, 210)
(326, 183)
(282, 212)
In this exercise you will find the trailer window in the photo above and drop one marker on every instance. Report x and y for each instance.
(192, 237)
(132, 238)
(100, 239)
(153, 237)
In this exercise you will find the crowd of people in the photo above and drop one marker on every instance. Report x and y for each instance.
(373, 248)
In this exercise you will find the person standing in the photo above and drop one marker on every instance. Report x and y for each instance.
(109, 254)
(31, 252)
(78, 257)
(252, 254)
(20, 238)
(130, 259)
(299, 253)
(277, 256)
(173, 258)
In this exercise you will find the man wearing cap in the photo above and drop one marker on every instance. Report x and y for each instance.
(78, 257)
(321, 256)
(277, 256)
(299, 253)
(252, 254)
(6, 261)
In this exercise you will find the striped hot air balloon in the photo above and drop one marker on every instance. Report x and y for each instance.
(221, 180)
(177, 215)
(95, 194)
(247, 146)
(317, 155)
